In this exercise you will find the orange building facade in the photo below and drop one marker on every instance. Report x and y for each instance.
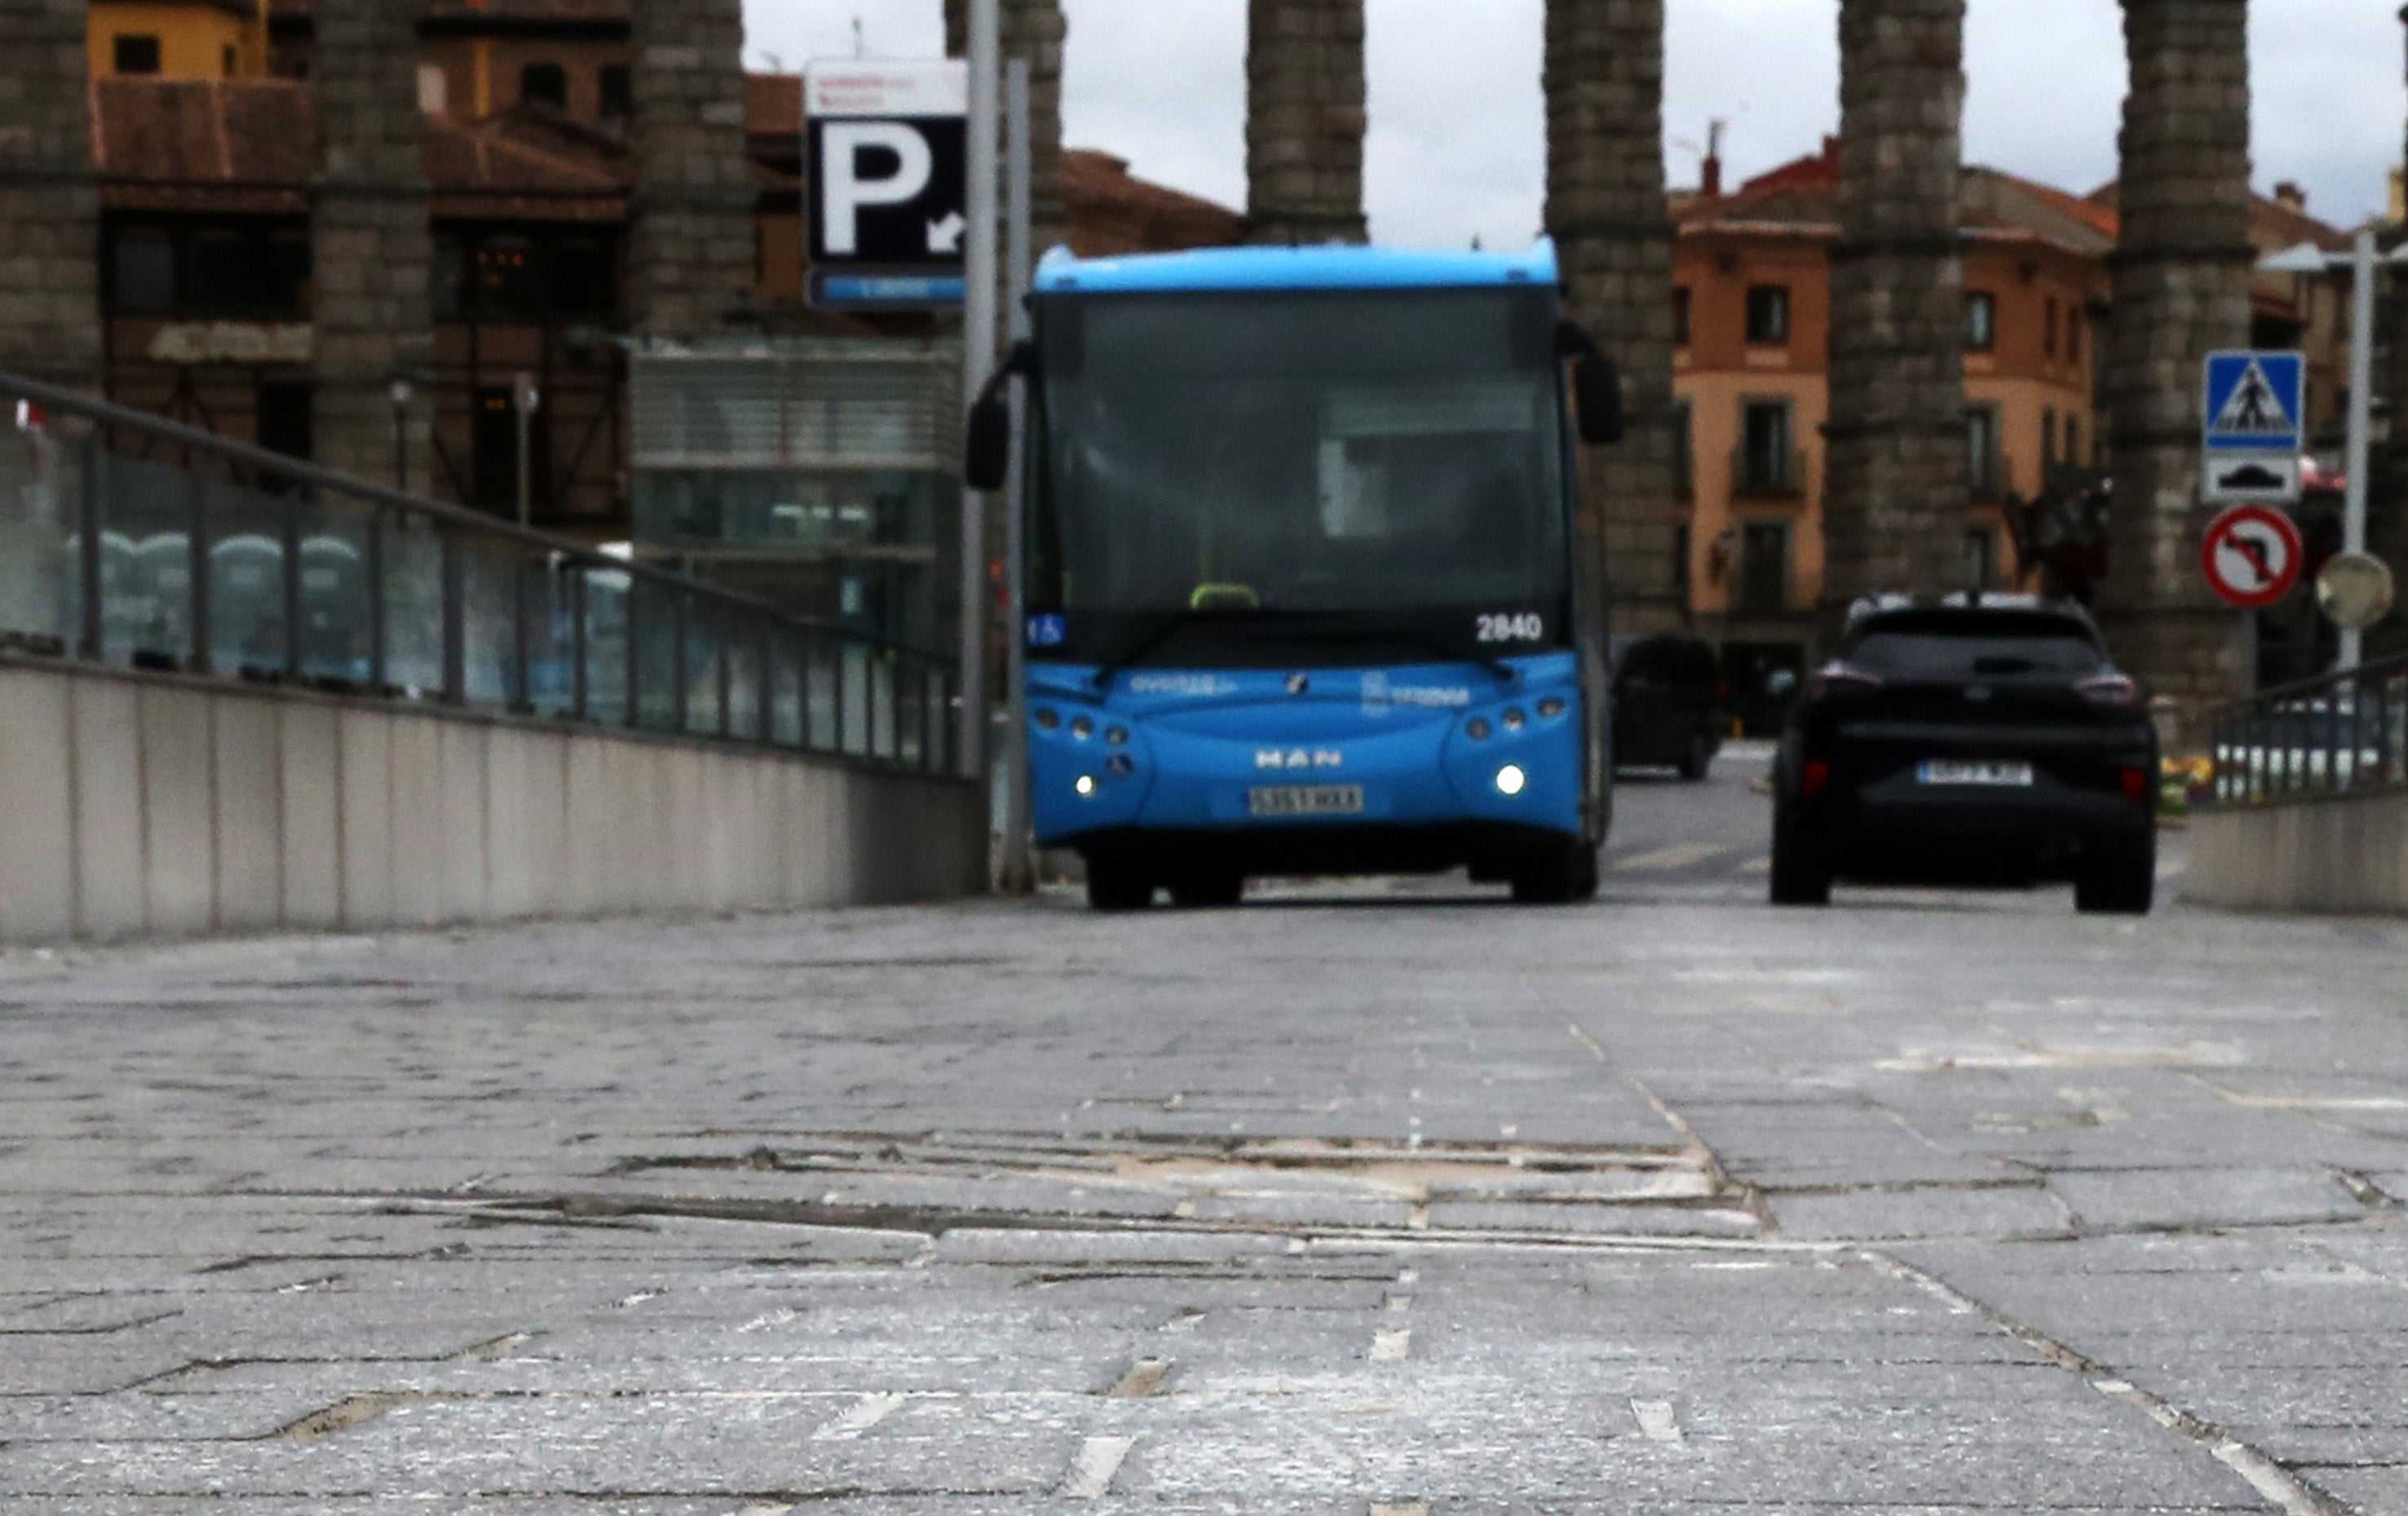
(1751, 272)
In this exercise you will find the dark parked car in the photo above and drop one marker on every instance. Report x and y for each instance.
(1984, 740)
(1667, 704)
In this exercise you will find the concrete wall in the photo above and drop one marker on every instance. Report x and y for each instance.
(136, 805)
(2339, 856)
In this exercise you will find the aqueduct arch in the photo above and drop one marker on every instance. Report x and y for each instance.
(1897, 492)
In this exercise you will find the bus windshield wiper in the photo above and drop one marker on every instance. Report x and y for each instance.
(1503, 673)
(1178, 622)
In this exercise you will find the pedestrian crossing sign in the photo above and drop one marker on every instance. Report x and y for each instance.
(2257, 402)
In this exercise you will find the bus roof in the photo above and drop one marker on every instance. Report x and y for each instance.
(1335, 266)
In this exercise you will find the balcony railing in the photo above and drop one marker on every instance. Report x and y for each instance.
(1760, 474)
(227, 561)
(2344, 734)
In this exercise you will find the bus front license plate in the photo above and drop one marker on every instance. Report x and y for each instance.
(1307, 800)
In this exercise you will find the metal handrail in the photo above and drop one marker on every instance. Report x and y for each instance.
(743, 626)
(2339, 734)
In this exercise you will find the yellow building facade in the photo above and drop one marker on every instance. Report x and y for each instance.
(178, 38)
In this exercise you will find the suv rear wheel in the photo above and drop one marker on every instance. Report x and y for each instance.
(2120, 884)
(1800, 876)
(1699, 760)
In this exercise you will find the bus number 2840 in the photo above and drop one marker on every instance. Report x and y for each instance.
(1528, 627)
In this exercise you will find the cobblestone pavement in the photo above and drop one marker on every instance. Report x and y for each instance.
(1357, 1199)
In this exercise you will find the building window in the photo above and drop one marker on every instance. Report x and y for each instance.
(584, 277)
(1685, 452)
(2048, 454)
(1767, 462)
(517, 276)
(2048, 332)
(1680, 562)
(1982, 321)
(136, 55)
(142, 280)
(1984, 468)
(2074, 334)
(1982, 559)
(433, 90)
(224, 268)
(1764, 568)
(2074, 442)
(544, 84)
(1768, 315)
(229, 60)
(618, 90)
(1680, 315)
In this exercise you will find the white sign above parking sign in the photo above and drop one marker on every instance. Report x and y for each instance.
(888, 148)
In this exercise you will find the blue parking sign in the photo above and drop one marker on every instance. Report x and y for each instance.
(2257, 402)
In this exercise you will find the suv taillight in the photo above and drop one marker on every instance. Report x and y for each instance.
(1839, 678)
(2111, 691)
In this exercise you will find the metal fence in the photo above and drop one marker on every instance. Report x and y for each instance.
(133, 542)
(2344, 734)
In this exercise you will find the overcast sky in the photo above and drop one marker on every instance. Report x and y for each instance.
(1456, 146)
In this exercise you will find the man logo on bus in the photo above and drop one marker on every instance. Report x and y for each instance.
(1300, 758)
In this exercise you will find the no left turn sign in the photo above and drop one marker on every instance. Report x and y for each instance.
(2253, 556)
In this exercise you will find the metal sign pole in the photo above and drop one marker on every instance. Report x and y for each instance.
(977, 363)
(1019, 875)
(2362, 423)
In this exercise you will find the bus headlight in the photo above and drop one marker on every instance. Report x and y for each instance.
(1082, 729)
(1477, 730)
(1512, 781)
(1086, 785)
(1550, 707)
(1515, 720)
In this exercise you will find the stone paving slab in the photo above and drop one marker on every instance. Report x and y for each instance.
(484, 1218)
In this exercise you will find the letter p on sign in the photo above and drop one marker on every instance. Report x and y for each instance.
(845, 191)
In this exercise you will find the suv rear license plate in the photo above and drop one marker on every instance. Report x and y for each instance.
(1982, 776)
(1307, 800)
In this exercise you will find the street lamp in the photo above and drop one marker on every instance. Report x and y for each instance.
(401, 393)
(2362, 262)
(528, 400)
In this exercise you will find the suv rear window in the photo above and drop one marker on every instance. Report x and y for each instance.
(1975, 646)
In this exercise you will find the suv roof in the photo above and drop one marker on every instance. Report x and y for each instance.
(1894, 604)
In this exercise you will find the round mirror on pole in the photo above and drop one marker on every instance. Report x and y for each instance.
(2356, 591)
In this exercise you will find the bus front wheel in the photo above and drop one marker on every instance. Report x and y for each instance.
(1117, 884)
(1557, 876)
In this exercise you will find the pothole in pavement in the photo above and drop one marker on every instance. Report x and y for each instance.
(1305, 1185)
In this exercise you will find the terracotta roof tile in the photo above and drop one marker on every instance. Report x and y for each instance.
(252, 145)
(1113, 211)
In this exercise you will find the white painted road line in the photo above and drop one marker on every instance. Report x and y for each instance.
(1400, 1508)
(1687, 855)
(1757, 865)
(864, 1413)
(1655, 1419)
(1392, 1347)
(1093, 1471)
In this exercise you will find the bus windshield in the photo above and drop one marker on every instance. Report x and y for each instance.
(1350, 452)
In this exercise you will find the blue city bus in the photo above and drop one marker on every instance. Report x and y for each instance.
(1301, 590)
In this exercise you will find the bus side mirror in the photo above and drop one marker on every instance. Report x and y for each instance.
(1597, 387)
(988, 450)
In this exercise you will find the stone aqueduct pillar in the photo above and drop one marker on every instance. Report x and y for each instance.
(1896, 491)
(370, 245)
(1305, 119)
(1606, 211)
(690, 243)
(2183, 273)
(49, 212)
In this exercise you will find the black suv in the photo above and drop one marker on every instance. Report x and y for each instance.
(1982, 740)
(1668, 699)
